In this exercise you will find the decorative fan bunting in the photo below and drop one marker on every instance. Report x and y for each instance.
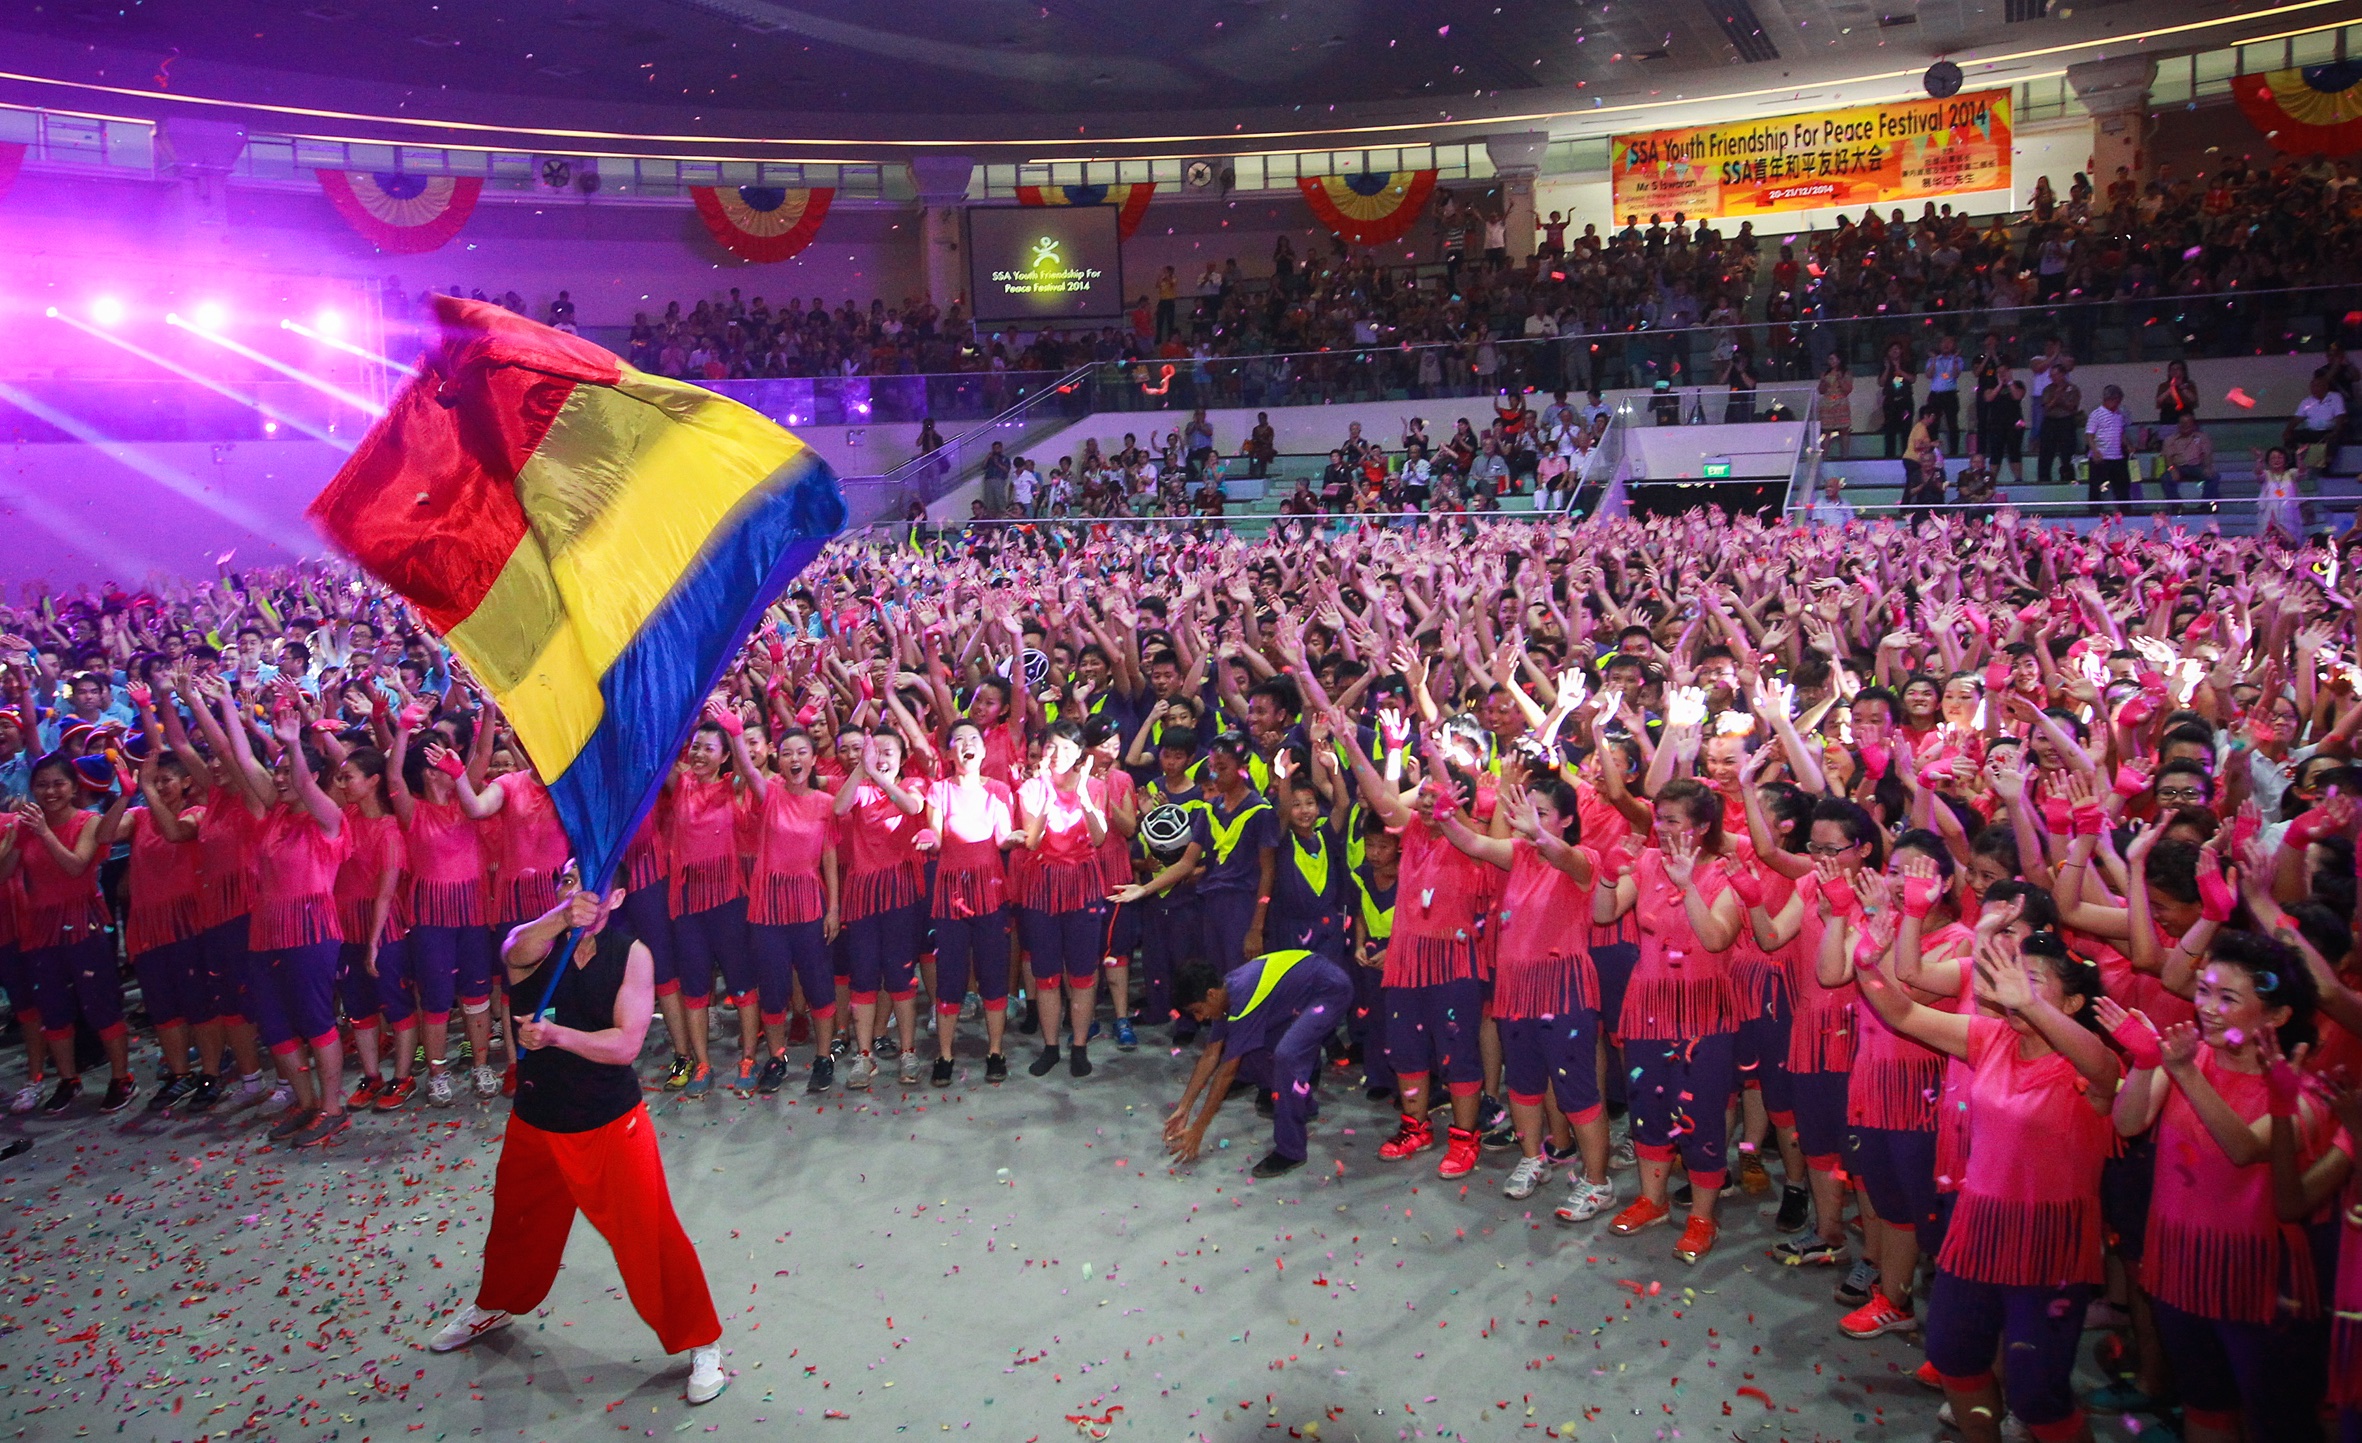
(12, 155)
(2315, 109)
(1131, 201)
(402, 214)
(1372, 209)
(762, 223)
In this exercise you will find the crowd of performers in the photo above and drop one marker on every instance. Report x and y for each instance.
(1987, 890)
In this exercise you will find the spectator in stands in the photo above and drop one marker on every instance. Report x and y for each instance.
(995, 487)
(1261, 447)
(2189, 460)
(2320, 419)
(2062, 408)
(1944, 370)
(1895, 391)
(1830, 508)
(2111, 468)
(2177, 395)
(1836, 405)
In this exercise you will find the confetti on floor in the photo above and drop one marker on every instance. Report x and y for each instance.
(967, 1263)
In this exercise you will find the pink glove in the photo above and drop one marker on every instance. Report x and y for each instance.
(1866, 953)
(1876, 759)
(778, 652)
(1840, 893)
(2140, 1043)
(2216, 900)
(2130, 783)
(2304, 831)
(2282, 1085)
(2088, 819)
(727, 719)
(1920, 895)
(2202, 624)
(1747, 885)
(449, 764)
(2137, 710)
(2244, 826)
(1996, 675)
(928, 840)
(2056, 816)
(413, 717)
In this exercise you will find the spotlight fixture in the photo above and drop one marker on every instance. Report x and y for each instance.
(211, 315)
(107, 311)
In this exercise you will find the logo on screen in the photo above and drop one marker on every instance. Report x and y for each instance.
(1045, 254)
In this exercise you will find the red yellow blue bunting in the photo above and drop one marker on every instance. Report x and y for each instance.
(762, 223)
(2316, 109)
(1130, 201)
(402, 214)
(1371, 209)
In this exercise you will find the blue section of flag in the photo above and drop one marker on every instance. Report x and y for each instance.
(678, 657)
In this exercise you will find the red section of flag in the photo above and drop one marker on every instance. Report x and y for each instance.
(428, 503)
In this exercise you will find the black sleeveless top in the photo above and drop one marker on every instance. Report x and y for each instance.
(561, 1091)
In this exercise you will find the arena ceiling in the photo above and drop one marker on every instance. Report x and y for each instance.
(1023, 70)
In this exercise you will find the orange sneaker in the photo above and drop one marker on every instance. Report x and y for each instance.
(1927, 1377)
(1877, 1318)
(395, 1093)
(1414, 1136)
(1642, 1214)
(1459, 1155)
(1697, 1240)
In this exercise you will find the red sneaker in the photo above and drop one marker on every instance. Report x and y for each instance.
(1459, 1154)
(395, 1093)
(1877, 1318)
(508, 1081)
(1927, 1377)
(1413, 1136)
(1697, 1240)
(1642, 1214)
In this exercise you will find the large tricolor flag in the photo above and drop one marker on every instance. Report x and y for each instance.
(593, 541)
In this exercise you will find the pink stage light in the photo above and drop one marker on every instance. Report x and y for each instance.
(211, 315)
(107, 311)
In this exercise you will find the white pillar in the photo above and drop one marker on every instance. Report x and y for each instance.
(2116, 92)
(942, 185)
(1517, 159)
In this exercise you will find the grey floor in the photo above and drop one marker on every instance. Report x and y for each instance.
(1010, 1263)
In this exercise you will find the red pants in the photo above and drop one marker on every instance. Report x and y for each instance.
(614, 1177)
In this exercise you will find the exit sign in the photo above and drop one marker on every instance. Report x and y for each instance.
(1715, 468)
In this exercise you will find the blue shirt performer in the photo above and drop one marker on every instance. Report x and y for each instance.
(1269, 1019)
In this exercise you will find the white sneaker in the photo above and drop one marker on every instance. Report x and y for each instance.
(912, 1071)
(438, 1087)
(1621, 1157)
(253, 1090)
(1586, 1200)
(1525, 1177)
(706, 1378)
(282, 1097)
(2014, 1429)
(27, 1097)
(862, 1071)
(487, 1082)
(467, 1325)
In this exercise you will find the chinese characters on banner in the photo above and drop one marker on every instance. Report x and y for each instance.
(1862, 155)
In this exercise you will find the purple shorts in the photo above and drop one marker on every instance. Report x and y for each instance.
(1433, 1030)
(77, 980)
(301, 984)
(1560, 1053)
(1064, 944)
(971, 952)
(883, 952)
(784, 956)
(172, 983)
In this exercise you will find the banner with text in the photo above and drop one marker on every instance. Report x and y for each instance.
(1861, 155)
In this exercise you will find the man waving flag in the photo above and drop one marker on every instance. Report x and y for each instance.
(595, 543)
